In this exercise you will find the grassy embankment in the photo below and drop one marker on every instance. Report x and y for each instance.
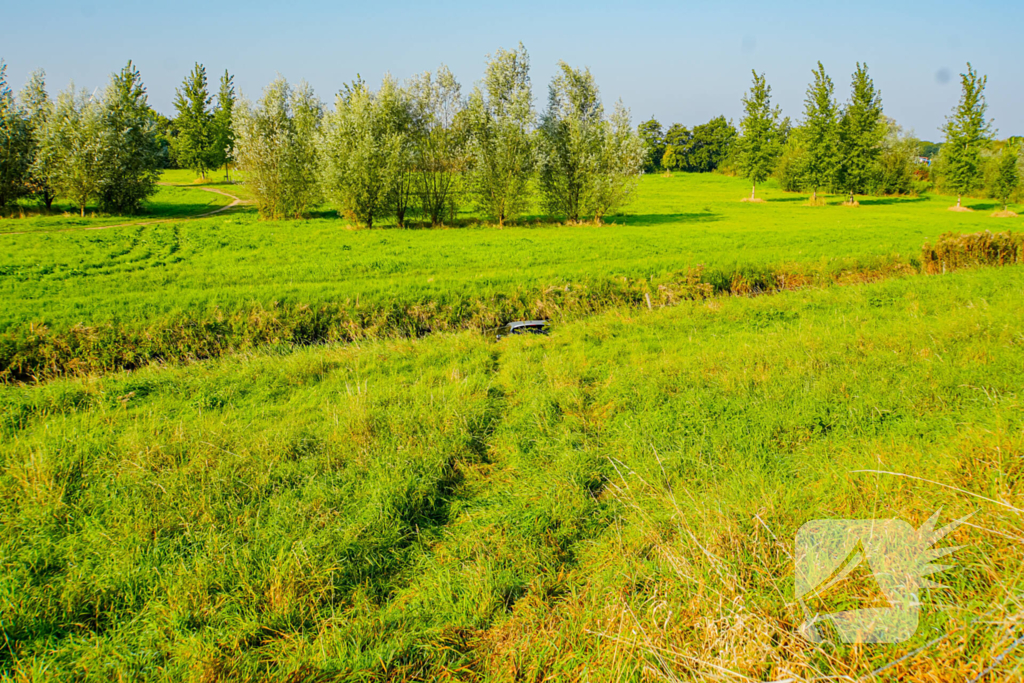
(615, 502)
(98, 301)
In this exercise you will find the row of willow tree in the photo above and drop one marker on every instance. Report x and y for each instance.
(853, 147)
(422, 149)
(418, 149)
(83, 147)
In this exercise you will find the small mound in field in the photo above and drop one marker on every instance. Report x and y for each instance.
(753, 200)
(1004, 214)
(853, 203)
(816, 202)
(959, 208)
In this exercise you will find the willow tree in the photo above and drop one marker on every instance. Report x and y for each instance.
(621, 162)
(571, 136)
(503, 153)
(15, 144)
(441, 147)
(275, 145)
(71, 148)
(38, 108)
(366, 151)
(588, 163)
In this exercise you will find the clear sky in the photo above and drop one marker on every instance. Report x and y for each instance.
(679, 61)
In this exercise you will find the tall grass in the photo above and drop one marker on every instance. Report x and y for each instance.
(38, 353)
(617, 501)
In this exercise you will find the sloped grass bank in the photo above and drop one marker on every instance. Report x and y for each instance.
(38, 353)
(615, 502)
(35, 353)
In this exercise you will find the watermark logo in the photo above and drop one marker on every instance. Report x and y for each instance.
(850, 562)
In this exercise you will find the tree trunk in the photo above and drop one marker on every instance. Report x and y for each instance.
(814, 196)
(851, 197)
(81, 209)
(400, 215)
(958, 201)
(753, 190)
(48, 199)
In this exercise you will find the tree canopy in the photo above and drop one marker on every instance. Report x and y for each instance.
(760, 144)
(131, 152)
(197, 143)
(15, 144)
(587, 162)
(821, 133)
(503, 150)
(967, 133)
(861, 130)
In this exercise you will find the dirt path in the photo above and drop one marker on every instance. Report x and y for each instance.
(235, 201)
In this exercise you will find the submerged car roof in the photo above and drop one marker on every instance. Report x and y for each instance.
(526, 323)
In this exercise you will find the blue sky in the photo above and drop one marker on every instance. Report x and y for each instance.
(678, 61)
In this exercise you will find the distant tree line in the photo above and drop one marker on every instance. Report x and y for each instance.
(421, 149)
(418, 149)
(100, 147)
(703, 149)
(854, 148)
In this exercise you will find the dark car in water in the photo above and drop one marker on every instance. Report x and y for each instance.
(525, 327)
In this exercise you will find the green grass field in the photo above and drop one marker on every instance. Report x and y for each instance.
(140, 274)
(319, 280)
(169, 202)
(617, 501)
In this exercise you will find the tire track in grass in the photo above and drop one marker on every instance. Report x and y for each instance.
(518, 520)
(235, 202)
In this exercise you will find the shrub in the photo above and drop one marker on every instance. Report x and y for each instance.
(952, 250)
(790, 168)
